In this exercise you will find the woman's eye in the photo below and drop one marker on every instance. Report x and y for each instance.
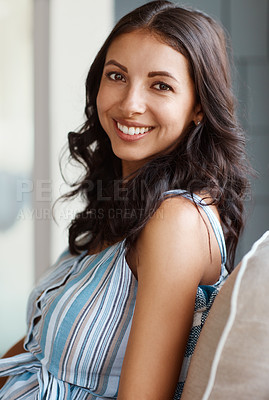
(162, 86)
(115, 76)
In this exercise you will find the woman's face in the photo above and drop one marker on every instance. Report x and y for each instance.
(146, 98)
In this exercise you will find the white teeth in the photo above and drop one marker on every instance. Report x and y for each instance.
(123, 128)
(132, 130)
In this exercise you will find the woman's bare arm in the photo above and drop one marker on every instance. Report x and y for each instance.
(173, 258)
(13, 351)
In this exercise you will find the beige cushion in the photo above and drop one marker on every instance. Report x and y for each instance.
(231, 359)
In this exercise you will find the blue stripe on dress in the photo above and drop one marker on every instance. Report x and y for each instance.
(58, 314)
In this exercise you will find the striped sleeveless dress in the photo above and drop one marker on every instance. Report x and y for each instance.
(79, 319)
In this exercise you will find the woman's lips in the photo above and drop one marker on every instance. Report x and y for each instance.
(131, 133)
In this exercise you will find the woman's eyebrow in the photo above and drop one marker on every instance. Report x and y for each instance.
(161, 73)
(113, 62)
(151, 74)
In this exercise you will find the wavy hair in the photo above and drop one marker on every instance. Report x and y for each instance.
(210, 158)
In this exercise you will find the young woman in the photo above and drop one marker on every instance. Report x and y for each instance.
(119, 314)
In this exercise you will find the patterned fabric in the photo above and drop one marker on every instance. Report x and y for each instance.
(79, 319)
(205, 297)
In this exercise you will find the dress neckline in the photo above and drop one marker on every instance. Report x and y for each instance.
(120, 246)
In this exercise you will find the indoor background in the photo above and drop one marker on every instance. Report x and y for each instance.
(46, 47)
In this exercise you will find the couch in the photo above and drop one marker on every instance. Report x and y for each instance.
(231, 359)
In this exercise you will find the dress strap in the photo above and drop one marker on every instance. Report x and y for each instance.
(216, 226)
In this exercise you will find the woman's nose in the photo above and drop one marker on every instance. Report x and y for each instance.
(133, 101)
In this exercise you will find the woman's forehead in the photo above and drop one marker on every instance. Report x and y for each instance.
(145, 48)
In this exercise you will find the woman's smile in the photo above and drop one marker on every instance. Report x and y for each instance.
(131, 132)
(145, 107)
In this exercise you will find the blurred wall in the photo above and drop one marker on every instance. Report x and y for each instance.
(46, 49)
(16, 163)
(77, 31)
(246, 21)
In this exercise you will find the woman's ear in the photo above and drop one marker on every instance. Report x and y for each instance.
(198, 114)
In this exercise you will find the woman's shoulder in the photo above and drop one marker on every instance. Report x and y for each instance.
(178, 236)
(174, 215)
(177, 214)
(201, 199)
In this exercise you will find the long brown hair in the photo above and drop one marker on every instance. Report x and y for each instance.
(210, 158)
